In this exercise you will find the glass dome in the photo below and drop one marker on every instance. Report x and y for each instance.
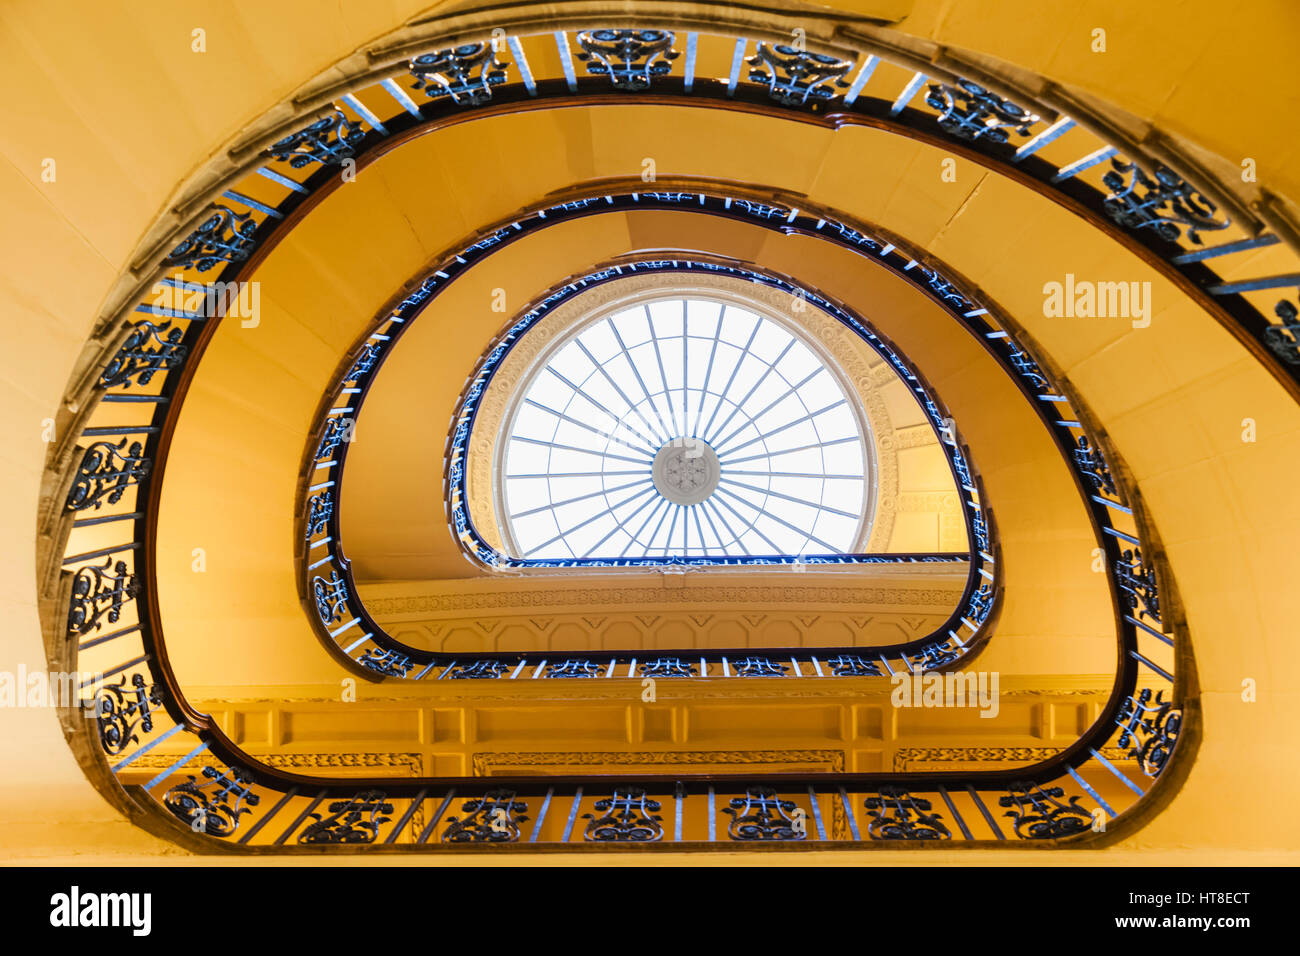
(683, 427)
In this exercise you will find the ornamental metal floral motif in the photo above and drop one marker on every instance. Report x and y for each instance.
(629, 816)
(981, 602)
(149, 349)
(630, 58)
(1027, 368)
(365, 361)
(331, 597)
(935, 654)
(758, 667)
(1039, 813)
(105, 473)
(99, 592)
(320, 508)
(213, 807)
(897, 815)
(761, 815)
(1163, 202)
(1093, 466)
(944, 289)
(1150, 726)
(465, 74)
(667, 667)
(1137, 584)
(388, 663)
(350, 821)
(328, 141)
(1284, 339)
(795, 77)
(225, 236)
(575, 668)
(846, 665)
(336, 432)
(120, 711)
(492, 818)
(481, 669)
(971, 112)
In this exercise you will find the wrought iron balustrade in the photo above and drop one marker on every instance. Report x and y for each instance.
(208, 788)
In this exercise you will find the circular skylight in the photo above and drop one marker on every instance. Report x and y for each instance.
(688, 428)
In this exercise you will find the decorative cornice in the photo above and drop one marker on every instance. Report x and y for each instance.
(651, 596)
(905, 756)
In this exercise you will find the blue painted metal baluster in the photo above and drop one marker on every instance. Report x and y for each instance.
(860, 81)
(1052, 133)
(541, 815)
(573, 815)
(909, 92)
(293, 827)
(257, 826)
(360, 109)
(961, 824)
(1087, 162)
(174, 767)
(433, 820)
(566, 59)
(988, 817)
(737, 61)
(406, 817)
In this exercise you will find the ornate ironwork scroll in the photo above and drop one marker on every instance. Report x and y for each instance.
(1093, 466)
(971, 112)
(388, 663)
(213, 807)
(106, 471)
(149, 349)
(350, 821)
(897, 815)
(328, 141)
(630, 58)
(331, 597)
(1162, 201)
(1284, 339)
(320, 508)
(850, 665)
(575, 668)
(225, 236)
(465, 74)
(99, 592)
(796, 77)
(934, 655)
(1150, 727)
(758, 667)
(364, 362)
(981, 602)
(629, 816)
(1137, 584)
(121, 710)
(1028, 368)
(476, 670)
(761, 815)
(492, 818)
(1039, 813)
(667, 667)
(335, 433)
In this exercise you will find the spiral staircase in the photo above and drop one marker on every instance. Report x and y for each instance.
(304, 265)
